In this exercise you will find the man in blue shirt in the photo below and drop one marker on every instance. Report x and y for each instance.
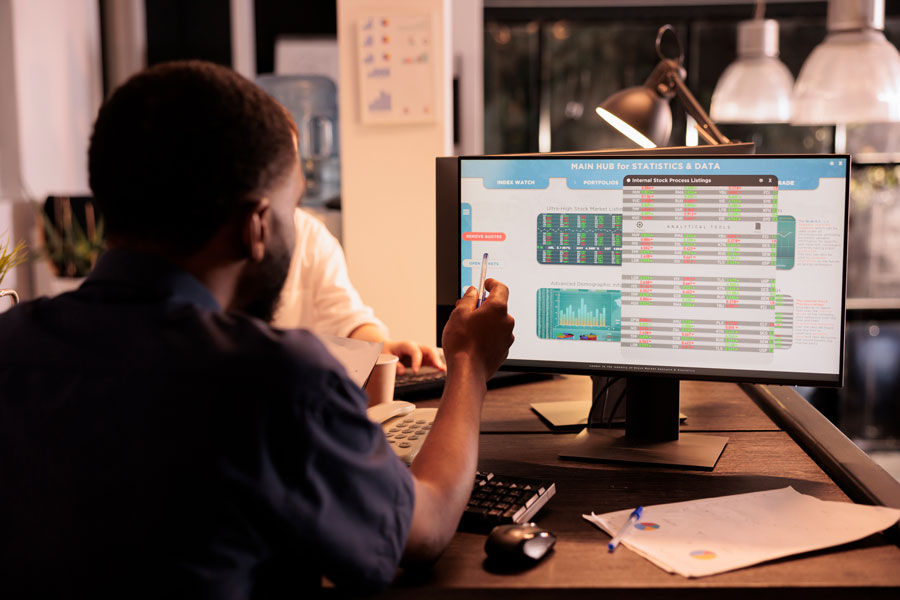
(157, 437)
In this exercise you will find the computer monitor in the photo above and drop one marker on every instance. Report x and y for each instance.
(447, 210)
(661, 268)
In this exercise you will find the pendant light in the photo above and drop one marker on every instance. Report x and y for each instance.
(757, 87)
(853, 76)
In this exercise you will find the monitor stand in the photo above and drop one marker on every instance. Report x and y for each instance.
(651, 433)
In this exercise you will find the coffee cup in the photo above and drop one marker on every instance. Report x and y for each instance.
(380, 387)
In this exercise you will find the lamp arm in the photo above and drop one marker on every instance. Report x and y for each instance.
(705, 126)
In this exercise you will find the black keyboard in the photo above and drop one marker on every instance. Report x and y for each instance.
(498, 500)
(427, 379)
(430, 380)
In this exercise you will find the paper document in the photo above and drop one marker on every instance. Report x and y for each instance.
(714, 535)
(357, 357)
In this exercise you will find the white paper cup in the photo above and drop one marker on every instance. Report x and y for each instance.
(381, 383)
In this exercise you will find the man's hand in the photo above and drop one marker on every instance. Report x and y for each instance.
(480, 335)
(413, 355)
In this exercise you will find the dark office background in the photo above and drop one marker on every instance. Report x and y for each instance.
(565, 61)
(202, 28)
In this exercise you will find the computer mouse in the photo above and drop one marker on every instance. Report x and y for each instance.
(518, 543)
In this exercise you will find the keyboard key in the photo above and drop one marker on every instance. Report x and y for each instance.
(496, 500)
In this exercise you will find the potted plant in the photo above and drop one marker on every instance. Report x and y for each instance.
(9, 259)
(72, 238)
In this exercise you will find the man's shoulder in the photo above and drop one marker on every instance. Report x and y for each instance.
(288, 363)
(184, 342)
(17, 321)
(258, 342)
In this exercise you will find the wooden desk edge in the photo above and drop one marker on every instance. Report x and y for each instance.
(852, 470)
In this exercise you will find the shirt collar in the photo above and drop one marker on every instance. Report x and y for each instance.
(152, 274)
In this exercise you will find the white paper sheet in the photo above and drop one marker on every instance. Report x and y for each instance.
(357, 357)
(714, 535)
(396, 68)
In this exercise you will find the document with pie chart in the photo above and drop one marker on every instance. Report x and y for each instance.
(705, 537)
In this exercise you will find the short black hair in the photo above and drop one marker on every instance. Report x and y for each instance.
(179, 146)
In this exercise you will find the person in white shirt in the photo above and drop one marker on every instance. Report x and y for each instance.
(318, 295)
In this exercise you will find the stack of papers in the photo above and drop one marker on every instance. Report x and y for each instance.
(714, 535)
(357, 357)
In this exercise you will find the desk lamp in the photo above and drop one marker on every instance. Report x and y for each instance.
(642, 113)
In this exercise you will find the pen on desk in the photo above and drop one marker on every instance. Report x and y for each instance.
(481, 296)
(632, 519)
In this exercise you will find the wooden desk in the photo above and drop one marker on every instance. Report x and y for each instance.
(759, 456)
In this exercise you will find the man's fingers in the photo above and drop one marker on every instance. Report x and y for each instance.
(499, 292)
(469, 299)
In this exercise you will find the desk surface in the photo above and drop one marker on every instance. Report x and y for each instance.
(708, 406)
(759, 456)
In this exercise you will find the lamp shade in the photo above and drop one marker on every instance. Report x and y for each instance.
(851, 77)
(641, 114)
(757, 87)
(854, 75)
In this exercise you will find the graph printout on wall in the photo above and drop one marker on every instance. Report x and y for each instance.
(395, 65)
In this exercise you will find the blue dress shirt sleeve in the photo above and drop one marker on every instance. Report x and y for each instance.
(351, 494)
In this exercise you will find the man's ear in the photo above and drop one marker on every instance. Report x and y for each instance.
(256, 229)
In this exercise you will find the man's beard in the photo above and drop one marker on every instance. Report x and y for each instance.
(261, 286)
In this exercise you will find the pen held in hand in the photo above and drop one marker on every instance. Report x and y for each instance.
(481, 290)
(629, 523)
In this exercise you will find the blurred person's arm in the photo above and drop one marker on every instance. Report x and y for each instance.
(412, 354)
(318, 295)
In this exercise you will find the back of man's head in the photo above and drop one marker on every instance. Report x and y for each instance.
(178, 147)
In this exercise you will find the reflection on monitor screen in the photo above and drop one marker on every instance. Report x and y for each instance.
(661, 268)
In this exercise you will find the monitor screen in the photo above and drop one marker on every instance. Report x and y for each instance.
(693, 267)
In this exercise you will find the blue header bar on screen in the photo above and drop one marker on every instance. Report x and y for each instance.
(797, 173)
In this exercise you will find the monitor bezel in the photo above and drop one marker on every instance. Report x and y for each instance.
(727, 375)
